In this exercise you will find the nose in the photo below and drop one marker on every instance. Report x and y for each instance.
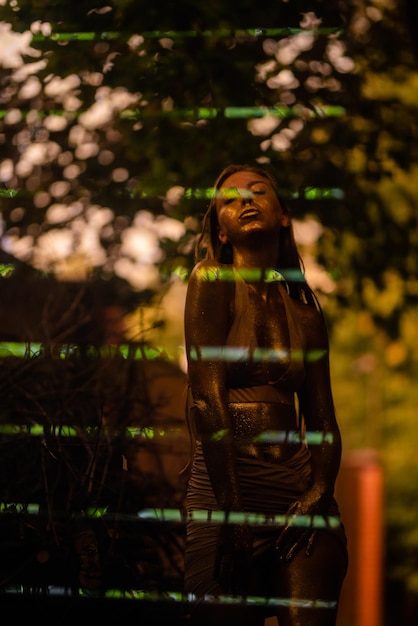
(246, 197)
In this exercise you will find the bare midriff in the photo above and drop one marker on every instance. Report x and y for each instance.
(265, 430)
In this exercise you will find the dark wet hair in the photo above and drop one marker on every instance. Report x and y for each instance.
(289, 262)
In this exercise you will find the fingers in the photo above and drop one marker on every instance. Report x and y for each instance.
(291, 540)
(308, 550)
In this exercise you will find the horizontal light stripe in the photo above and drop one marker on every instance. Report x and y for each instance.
(33, 508)
(186, 34)
(207, 113)
(261, 601)
(149, 433)
(171, 596)
(240, 112)
(240, 517)
(258, 355)
(309, 193)
(144, 353)
(63, 351)
(177, 515)
(269, 275)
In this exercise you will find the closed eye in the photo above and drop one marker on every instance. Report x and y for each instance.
(259, 189)
(229, 195)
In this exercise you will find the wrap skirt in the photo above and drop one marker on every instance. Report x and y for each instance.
(268, 489)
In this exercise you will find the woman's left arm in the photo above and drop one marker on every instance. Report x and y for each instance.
(323, 437)
(317, 406)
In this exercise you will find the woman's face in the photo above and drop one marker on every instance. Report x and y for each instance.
(246, 204)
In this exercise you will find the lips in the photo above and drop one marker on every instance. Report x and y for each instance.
(250, 212)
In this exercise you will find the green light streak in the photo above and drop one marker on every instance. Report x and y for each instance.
(38, 430)
(33, 508)
(187, 34)
(309, 193)
(79, 36)
(283, 112)
(65, 351)
(211, 274)
(241, 517)
(199, 515)
(146, 433)
(172, 596)
(240, 112)
(19, 507)
(177, 596)
(150, 433)
(228, 274)
(220, 434)
(96, 511)
(206, 194)
(19, 349)
(239, 353)
(316, 193)
(7, 193)
(205, 113)
(280, 436)
(244, 353)
(6, 270)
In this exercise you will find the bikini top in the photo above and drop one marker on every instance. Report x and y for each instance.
(250, 365)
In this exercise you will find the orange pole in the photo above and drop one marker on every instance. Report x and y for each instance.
(370, 546)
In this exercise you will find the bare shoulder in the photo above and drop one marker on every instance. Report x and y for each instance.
(209, 301)
(211, 284)
(209, 276)
(209, 270)
(312, 323)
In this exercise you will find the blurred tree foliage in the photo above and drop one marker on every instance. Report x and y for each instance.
(195, 83)
(325, 93)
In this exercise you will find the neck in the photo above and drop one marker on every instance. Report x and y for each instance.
(261, 259)
(257, 269)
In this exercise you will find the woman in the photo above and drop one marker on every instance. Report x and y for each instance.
(264, 536)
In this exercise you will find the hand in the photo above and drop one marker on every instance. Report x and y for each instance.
(233, 558)
(299, 531)
(292, 539)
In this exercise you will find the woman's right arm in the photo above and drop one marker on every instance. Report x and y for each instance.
(207, 316)
(207, 311)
